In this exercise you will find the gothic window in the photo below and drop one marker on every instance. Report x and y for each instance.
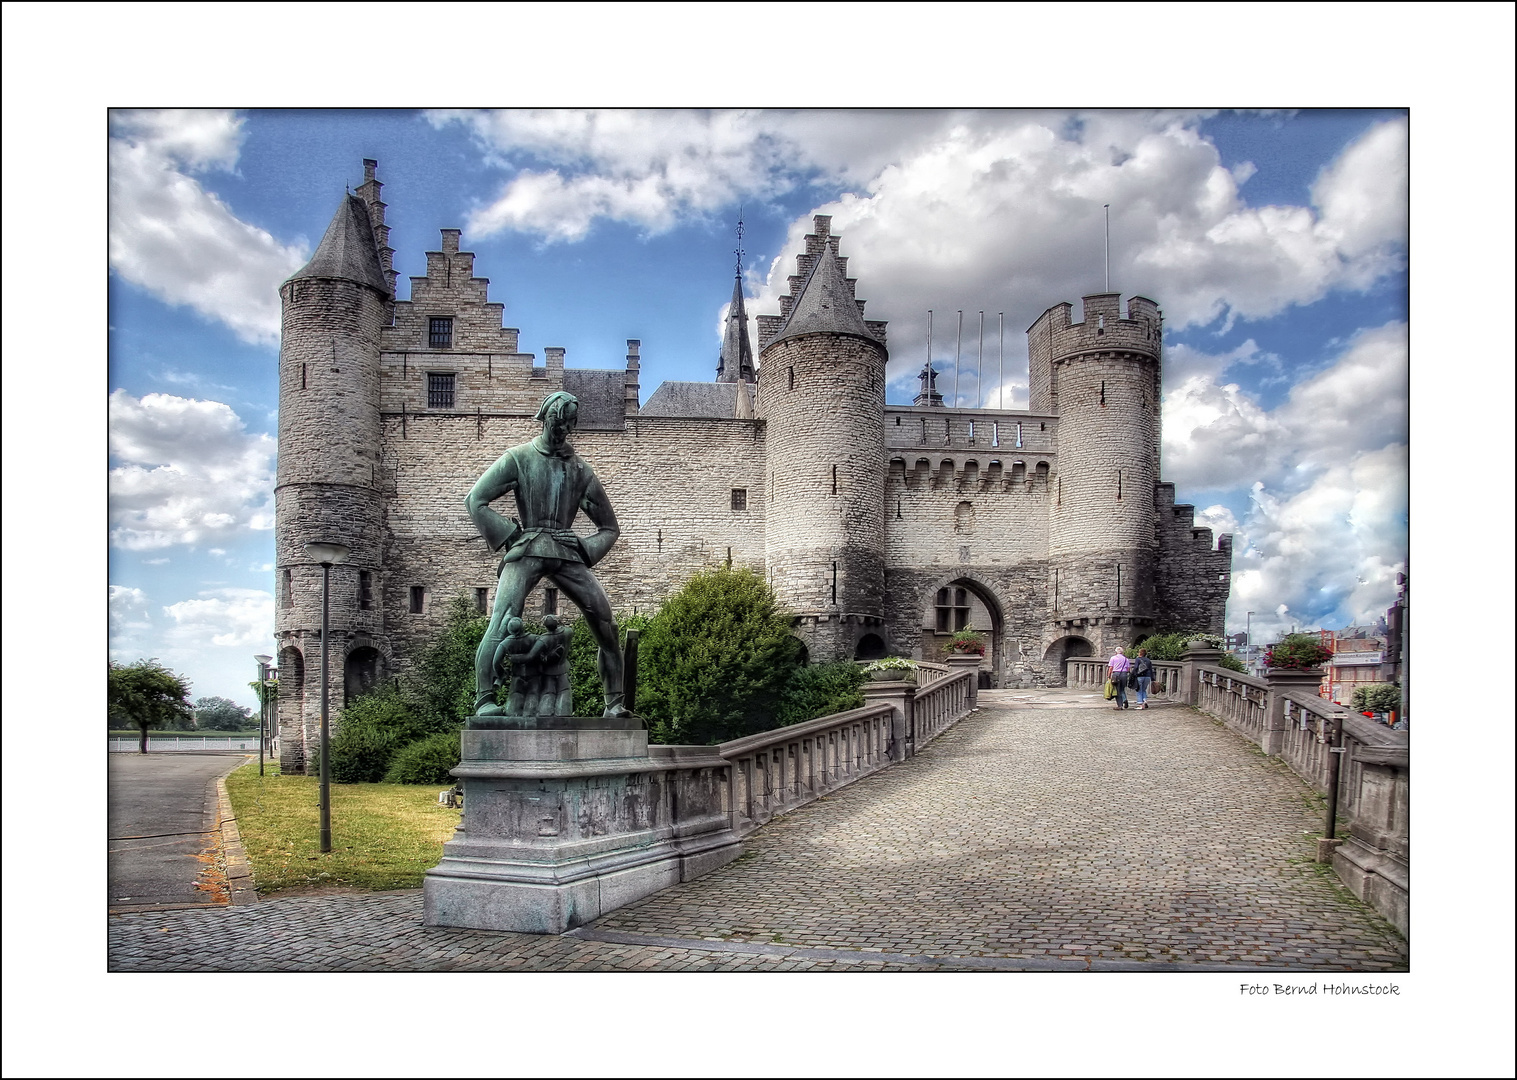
(439, 390)
(365, 590)
(418, 599)
(739, 498)
(952, 610)
(440, 333)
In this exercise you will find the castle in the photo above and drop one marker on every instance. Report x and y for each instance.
(884, 528)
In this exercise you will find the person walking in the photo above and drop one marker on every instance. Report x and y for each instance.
(1117, 669)
(1143, 675)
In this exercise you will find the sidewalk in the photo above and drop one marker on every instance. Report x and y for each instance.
(1044, 832)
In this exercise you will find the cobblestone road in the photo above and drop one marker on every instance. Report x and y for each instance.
(1042, 833)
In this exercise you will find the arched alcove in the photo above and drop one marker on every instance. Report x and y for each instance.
(362, 671)
(951, 606)
(1063, 649)
(870, 647)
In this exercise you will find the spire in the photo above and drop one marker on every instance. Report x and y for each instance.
(348, 250)
(736, 361)
(929, 394)
(825, 301)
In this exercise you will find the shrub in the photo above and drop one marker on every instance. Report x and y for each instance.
(1231, 662)
(1297, 651)
(441, 686)
(1171, 646)
(361, 753)
(1377, 697)
(584, 664)
(820, 690)
(426, 761)
(715, 660)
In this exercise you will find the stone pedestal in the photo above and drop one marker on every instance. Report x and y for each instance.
(564, 822)
(971, 661)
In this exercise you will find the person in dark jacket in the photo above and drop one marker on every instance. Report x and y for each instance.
(1143, 675)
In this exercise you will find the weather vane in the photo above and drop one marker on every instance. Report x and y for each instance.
(739, 241)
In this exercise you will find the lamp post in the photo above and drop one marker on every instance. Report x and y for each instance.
(328, 555)
(263, 704)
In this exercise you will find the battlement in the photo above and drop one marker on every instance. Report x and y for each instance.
(1102, 327)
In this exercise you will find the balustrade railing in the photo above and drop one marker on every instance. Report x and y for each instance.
(1240, 700)
(776, 771)
(1089, 673)
(939, 704)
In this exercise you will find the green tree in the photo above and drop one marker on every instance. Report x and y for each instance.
(1378, 697)
(714, 661)
(146, 695)
(820, 690)
(221, 714)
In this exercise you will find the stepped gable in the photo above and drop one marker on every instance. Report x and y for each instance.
(348, 250)
(824, 302)
(735, 364)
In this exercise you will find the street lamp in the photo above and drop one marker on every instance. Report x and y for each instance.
(1248, 630)
(263, 704)
(328, 555)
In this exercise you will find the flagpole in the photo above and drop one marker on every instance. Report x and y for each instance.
(979, 366)
(958, 346)
(1001, 360)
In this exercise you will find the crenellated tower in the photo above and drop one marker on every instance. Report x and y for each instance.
(328, 481)
(1101, 378)
(821, 391)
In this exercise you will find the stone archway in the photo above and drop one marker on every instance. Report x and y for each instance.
(290, 710)
(952, 604)
(1063, 649)
(870, 647)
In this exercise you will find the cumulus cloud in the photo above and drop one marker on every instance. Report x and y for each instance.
(127, 611)
(1326, 529)
(230, 618)
(177, 240)
(1000, 210)
(188, 472)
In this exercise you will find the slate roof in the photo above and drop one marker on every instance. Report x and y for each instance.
(348, 250)
(602, 397)
(825, 303)
(706, 399)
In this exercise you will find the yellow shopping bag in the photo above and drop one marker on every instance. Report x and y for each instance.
(1111, 689)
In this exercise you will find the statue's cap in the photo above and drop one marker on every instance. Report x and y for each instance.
(556, 400)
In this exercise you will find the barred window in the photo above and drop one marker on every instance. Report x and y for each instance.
(439, 390)
(481, 600)
(440, 333)
(739, 498)
(365, 590)
(952, 610)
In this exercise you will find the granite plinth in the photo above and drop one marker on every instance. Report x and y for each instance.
(555, 722)
(562, 825)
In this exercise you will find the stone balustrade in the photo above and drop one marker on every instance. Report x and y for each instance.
(1284, 715)
(776, 771)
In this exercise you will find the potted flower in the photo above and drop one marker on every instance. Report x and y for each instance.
(892, 669)
(1298, 652)
(967, 641)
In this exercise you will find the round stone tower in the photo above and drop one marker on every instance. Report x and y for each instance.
(328, 485)
(1100, 377)
(821, 391)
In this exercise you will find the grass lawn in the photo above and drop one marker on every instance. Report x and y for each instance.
(384, 836)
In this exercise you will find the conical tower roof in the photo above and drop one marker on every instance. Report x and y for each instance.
(825, 303)
(735, 363)
(348, 250)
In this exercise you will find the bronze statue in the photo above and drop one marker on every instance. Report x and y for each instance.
(552, 485)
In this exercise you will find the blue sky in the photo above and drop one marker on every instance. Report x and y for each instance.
(1275, 242)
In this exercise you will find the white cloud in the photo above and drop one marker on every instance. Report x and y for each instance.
(228, 618)
(177, 240)
(1000, 210)
(1326, 531)
(188, 472)
(128, 611)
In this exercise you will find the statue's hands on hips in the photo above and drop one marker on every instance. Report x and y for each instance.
(569, 538)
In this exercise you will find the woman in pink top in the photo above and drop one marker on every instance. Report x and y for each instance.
(1116, 670)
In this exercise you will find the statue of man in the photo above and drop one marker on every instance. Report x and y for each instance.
(558, 690)
(552, 485)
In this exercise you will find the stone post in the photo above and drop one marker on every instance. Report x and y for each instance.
(958, 662)
(1281, 680)
(901, 697)
(1196, 653)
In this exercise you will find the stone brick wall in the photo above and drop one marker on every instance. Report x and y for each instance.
(1193, 578)
(823, 398)
(328, 488)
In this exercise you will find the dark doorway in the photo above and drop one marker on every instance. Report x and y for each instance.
(870, 647)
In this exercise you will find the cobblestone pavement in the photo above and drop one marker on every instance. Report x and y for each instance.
(1046, 833)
